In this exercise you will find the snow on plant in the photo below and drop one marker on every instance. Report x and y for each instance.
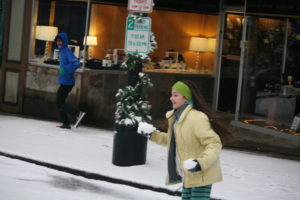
(133, 60)
(133, 106)
(153, 43)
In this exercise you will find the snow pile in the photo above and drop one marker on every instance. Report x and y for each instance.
(190, 163)
(146, 129)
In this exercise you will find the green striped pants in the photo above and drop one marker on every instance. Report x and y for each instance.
(196, 193)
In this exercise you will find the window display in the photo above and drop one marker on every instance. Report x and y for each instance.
(106, 36)
(270, 93)
(52, 17)
(270, 86)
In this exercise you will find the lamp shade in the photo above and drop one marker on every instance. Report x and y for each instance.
(46, 33)
(198, 44)
(91, 40)
(211, 44)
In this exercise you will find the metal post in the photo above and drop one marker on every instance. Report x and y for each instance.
(86, 31)
(243, 48)
(285, 46)
(219, 59)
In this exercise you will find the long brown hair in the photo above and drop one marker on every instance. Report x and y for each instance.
(217, 122)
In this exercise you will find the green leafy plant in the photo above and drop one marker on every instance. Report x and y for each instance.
(133, 106)
(133, 60)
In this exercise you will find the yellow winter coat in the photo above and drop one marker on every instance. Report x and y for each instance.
(194, 139)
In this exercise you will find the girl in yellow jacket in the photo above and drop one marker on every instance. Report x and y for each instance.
(193, 142)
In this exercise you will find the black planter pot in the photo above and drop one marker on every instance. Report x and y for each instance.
(129, 147)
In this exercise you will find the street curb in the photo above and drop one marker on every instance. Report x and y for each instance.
(91, 175)
(94, 176)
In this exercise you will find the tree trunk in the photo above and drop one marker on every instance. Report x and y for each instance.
(133, 75)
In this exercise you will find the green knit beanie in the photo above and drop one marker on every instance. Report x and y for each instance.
(183, 89)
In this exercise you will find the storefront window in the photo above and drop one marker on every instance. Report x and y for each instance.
(52, 17)
(270, 96)
(292, 68)
(173, 33)
(230, 62)
(172, 30)
(176, 52)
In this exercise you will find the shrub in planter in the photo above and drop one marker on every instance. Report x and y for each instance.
(130, 148)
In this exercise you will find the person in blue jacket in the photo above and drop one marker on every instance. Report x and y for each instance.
(68, 65)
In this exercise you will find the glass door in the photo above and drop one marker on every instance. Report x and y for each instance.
(14, 57)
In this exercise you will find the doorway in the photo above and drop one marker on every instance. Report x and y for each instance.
(15, 54)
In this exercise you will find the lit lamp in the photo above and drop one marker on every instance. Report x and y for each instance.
(91, 41)
(211, 47)
(211, 44)
(198, 44)
(46, 33)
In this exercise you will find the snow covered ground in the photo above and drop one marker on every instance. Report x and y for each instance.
(25, 181)
(246, 176)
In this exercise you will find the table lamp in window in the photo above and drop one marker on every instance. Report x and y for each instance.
(211, 49)
(46, 33)
(198, 44)
(90, 41)
(211, 45)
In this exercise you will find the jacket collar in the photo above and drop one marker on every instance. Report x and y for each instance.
(170, 114)
(179, 111)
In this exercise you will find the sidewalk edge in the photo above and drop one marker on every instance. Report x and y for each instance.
(90, 175)
(94, 176)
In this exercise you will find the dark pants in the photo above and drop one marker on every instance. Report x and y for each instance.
(64, 109)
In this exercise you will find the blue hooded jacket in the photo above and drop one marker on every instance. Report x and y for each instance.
(68, 62)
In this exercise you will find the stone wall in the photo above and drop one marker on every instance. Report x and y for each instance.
(98, 95)
(40, 92)
(95, 92)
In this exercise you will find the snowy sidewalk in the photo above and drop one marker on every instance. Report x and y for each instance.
(246, 175)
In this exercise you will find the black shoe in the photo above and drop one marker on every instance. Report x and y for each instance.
(79, 118)
(66, 126)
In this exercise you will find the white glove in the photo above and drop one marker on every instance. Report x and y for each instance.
(192, 165)
(145, 129)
